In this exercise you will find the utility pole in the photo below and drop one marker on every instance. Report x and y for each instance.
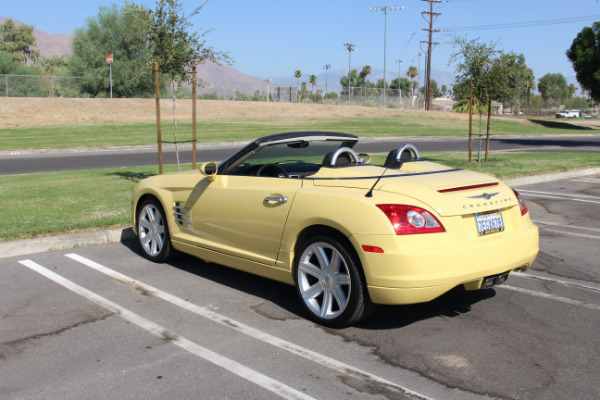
(350, 47)
(430, 43)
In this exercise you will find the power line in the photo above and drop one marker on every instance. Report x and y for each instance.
(524, 24)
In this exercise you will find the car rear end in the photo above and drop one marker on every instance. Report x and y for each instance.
(446, 230)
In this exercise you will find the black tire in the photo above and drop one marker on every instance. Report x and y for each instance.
(330, 283)
(153, 232)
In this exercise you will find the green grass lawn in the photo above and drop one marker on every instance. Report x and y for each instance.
(53, 136)
(57, 202)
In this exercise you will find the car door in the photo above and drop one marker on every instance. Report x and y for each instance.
(242, 216)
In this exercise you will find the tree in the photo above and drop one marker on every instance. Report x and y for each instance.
(414, 85)
(529, 82)
(584, 54)
(53, 65)
(177, 50)
(297, 75)
(434, 90)
(19, 86)
(412, 72)
(313, 81)
(123, 32)
(401, 83)
(18, 42)
(514, 75)
(362, 77)
(553, 88)
(483, 67)
(444, 90)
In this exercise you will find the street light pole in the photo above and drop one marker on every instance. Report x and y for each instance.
(350, 47)
(326, 67)
(399, 88)
(385, 10)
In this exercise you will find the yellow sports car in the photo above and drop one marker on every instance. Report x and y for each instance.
(305, 209)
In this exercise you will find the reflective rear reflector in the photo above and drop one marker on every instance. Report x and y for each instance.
(372, 249)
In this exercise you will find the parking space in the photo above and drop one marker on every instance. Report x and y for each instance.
(102, 322)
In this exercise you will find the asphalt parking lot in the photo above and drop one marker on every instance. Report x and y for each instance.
(102, 322)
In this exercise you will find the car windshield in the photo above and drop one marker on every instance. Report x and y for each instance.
(293, 152)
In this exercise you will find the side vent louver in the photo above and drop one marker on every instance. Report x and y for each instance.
(181, 214)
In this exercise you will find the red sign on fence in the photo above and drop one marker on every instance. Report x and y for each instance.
(109, 59)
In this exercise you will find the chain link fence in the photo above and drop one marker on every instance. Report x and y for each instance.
(38, 86)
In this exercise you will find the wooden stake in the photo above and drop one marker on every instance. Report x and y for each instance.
(194, 118)
(471, 123)
(487, 134)
(158, 131)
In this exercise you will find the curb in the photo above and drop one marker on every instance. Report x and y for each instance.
(528, 180)
(62, 242)
(72, 240)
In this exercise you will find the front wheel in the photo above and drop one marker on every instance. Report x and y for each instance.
(153, 232)
(330, 283)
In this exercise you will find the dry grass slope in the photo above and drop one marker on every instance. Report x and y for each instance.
(18, 112)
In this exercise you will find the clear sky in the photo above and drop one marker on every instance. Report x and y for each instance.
(273, 38)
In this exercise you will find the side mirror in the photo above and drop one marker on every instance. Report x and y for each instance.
(210, 170)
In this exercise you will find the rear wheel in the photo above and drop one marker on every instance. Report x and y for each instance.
(330, 283)
(153, 232)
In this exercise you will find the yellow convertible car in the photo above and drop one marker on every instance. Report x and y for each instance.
(305, 209)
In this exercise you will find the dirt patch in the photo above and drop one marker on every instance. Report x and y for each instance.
(19, 112)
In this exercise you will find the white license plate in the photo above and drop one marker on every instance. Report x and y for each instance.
(489, 222)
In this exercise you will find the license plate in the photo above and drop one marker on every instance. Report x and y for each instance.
(489, 222)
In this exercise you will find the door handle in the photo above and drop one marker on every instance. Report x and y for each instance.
(277, 199)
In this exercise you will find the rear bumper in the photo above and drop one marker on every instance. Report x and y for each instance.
(419, 268)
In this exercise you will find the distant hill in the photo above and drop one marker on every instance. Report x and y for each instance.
(222, 79)
(49, 44)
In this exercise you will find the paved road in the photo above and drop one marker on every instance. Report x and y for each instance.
(102, 322)
(30, 162)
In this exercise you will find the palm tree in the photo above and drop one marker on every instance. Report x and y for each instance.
(313, 81)
(363, 75)
(297, 74)
(529, 85)
(412, 72)
(414, 86)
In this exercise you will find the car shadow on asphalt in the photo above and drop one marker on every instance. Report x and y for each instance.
(284, 303)
(452, 304)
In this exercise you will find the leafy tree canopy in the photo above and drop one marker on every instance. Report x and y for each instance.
(584, 54)
(123, 32)
(18, 41)
(495, 75)
(554, 87)
(176, 49)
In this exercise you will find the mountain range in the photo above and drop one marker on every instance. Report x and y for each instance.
(224, 79)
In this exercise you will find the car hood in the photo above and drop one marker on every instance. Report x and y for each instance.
(448, 191)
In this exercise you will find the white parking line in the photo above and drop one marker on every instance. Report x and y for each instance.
(561, 196)
(570, 282)
(551, 297)
(293, 348)
(583, 228)
(158, 330)
(564, 229)
(587, 180)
